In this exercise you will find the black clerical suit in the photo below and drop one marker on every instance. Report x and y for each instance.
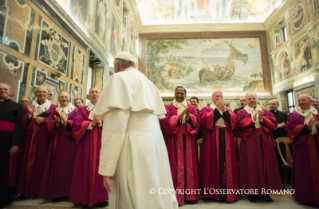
(281, 132)
(11, 130)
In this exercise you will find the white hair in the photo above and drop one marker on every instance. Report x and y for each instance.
(248, 93)
(213, 94)
(309, 97)
(95, 88)
(41, 87)
(9, 87)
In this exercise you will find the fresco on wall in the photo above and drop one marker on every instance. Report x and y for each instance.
(16, 21)
(119, 7)
(115, 38)
(303, 57)
(205, 64)
(75, 92)
(284, 69)
(53, 84)
(78, 61)
(53, 48)
(204, 11)
(297, 17)
(78, 11)
(100, 21)
(99, 71)
(13, 72)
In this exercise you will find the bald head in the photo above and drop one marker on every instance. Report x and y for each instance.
(251, 98)
(64, 99)
(4, 91)
(41, 94)
(304, 101)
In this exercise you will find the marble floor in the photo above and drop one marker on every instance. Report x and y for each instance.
(282, 202)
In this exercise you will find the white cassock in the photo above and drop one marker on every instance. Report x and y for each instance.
(133, 149)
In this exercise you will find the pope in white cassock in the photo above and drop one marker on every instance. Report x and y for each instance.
(133, 157)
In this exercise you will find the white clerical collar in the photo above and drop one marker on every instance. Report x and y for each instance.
(178, 105)
(252, 110)
(90, 106)
(44, 106)
(67, 109)
(1, 100)
(305, 113)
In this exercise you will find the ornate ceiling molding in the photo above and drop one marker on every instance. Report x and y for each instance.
(278, 12)
(136, 14)
(211, 27)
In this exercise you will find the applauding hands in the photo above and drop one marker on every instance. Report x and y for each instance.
(185, 112)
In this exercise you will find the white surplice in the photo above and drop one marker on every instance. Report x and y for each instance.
(133, 149)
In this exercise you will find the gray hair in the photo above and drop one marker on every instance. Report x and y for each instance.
(95, 88)
(213, 94)
(41, 87)
(64, 92)
(124, 63)
(309, 97)
(251, 93)
(9, 87)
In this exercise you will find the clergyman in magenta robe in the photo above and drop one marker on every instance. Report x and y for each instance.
(218, 160)
(58, 171)
(303, 131)
(87, 184)
(258, 168)
(181, 124)
(33, 157)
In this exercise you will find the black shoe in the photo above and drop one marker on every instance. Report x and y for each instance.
(86, 207)
(252, 198)
(192, 202)
(267, 198)
(102, 204)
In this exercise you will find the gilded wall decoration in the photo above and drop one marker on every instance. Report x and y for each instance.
(16, 24)
(202, 65)
(75, 92)
(14, 73)
(78, 61)
(53, 48)
(53, 84)
(99, 77)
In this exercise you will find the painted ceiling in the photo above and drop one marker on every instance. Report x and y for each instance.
(160, 12)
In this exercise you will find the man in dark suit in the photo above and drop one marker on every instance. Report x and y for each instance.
(194, 101)
(242, 102)
(11, 130)
(280, 131)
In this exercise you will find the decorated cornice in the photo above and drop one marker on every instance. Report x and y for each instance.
(136, 14)
(273, 17)
(209, 27)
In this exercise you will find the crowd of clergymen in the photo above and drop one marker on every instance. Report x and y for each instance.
(59, 152)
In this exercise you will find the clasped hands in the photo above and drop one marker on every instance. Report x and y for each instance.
(258, 113)
(185, 112)
(58, 119)
(96, 120)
